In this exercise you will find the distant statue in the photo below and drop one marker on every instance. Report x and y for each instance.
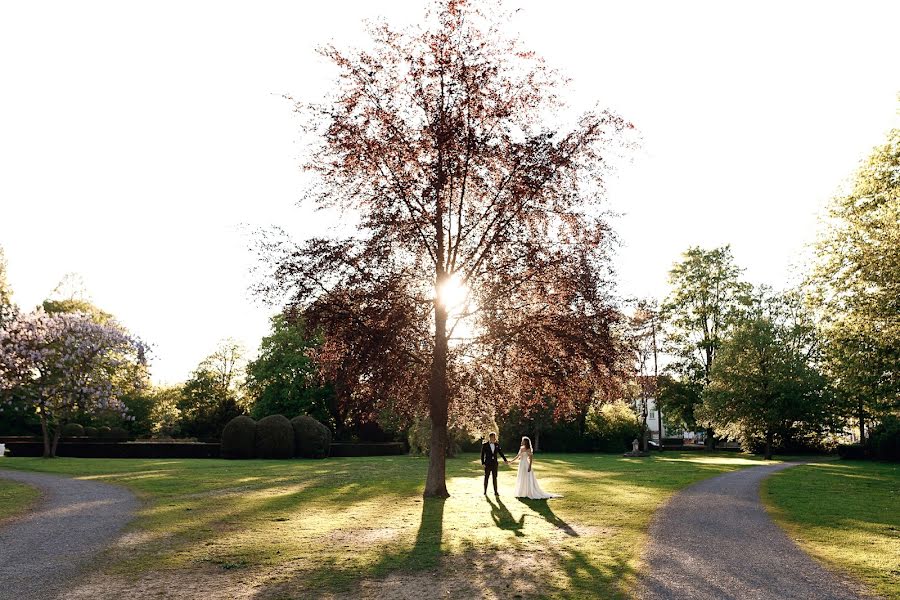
(635, 446)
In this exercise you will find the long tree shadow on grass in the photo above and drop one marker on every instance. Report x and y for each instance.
(331, 577)
(542, 507)
(426, 552)
(503, 518)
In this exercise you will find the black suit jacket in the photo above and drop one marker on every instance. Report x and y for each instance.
(489, 458)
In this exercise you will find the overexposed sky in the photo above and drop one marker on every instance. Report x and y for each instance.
(140, 142)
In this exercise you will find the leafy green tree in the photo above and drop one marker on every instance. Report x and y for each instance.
(212, 396)
(164, 413)
(857, 287)
(612, 426)
(764, 383)
(284, 379)
(678, 398)
(77, 305)
(643, 335)
(706, 298)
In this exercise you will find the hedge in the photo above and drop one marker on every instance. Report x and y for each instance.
(239, 438)
(274, 437)
(311, 438)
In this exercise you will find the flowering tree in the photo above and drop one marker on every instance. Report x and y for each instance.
(65, 364)
(479, 270)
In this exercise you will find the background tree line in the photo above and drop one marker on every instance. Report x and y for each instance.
(805, 367)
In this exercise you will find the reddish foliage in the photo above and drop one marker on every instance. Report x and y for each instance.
(438, 138)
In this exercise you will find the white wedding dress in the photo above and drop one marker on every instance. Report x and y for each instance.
(526, 483)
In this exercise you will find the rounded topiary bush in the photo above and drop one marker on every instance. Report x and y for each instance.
(274, 437)
(90, 432)
(311, 438)
(103, 432)
(239, 438)
(72, 430)
(117, 433)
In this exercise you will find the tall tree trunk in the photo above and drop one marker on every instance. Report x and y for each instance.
(56, 436)
(45, 430)
(709, 444)
(659, 424)
(862, 422)
(537, 438)
(645, 430)
(436, 482)
(768, 455)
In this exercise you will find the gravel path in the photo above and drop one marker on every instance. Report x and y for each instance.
(44, 549)
(714, 540)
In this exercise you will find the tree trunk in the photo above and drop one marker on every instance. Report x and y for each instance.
(709, 444)
(768, 454)
(862, 422)
(56, 435)
(537, 439)
(659, 425)
(436, 481)
(46, 433)
(645, 432)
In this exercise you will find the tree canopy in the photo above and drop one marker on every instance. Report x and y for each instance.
(441, 140)
(765, 384)
(857, 286)
(706, 297)
(284, 379)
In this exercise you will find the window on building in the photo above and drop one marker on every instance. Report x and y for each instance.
(652, 414)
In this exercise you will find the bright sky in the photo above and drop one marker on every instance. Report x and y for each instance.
(139, 142)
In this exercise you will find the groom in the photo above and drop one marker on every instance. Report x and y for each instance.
(489, 451)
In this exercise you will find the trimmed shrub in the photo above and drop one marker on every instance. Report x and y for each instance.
(884, 439)
(103, 432)
(311, 438)
(118, 434)
(239, 438)
(72, 430)
(852, 451)
(613, 427)
(274, 437)
(90, 432)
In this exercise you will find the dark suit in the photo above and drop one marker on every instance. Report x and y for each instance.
(489, 462)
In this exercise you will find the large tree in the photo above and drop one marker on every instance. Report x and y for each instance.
(706, 297)
(284, 379)
(765, 384)
(212, 396)
(66, 365)
(644, 333)
(857, 285)
(477, 270)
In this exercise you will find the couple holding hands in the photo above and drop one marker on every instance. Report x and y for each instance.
(526, 483)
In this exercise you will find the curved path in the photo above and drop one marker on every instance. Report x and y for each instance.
(714, 540)
(42, 550)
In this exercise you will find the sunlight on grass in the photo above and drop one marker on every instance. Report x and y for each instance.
(301, 528)
(16, 498)
(847, 514)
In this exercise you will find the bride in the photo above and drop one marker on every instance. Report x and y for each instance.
(526, 483)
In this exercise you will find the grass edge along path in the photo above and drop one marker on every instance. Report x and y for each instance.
(16, 499)
(846, 514)
(348, 525)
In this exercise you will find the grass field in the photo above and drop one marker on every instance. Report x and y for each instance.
(359, 527)
(15, 498)
(845, 513)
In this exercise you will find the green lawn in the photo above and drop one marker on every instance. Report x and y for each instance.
(847, 514)
(359, 527)
(15, 497)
